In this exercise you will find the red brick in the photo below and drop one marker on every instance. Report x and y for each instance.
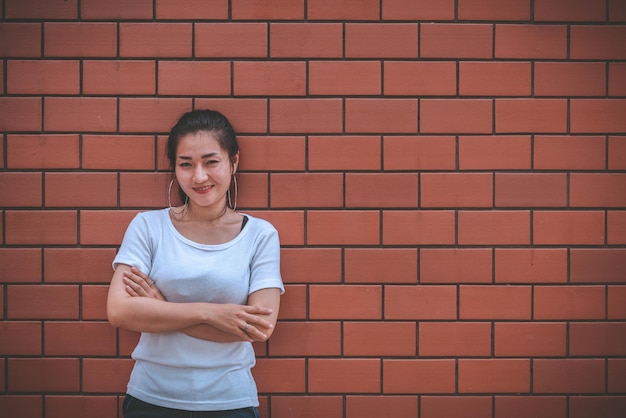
(80, 39)
(80, 114)
(269, 78)
(417, 10)
(376, 40)
(42, 302)
(149, 40)
(40, 227)
(617, 153)
(616, 302)
(253, 190)
(569, 79)
(616, 227)
(456, 190)
(454, 40)
(379, 339)
(569, 302)
(494, 227)
(426, 227)
(20, 338)
(535, 406)
(105, 375)
(419, 78)
(442, 265)
(80, 189)
(89, 265)
(344, 78)
(123, 152)
(569, 227)
(93, 302)
(531, 115)
(617, 79)
(306, 265)
(456, 116)
(282, 153)
(293, 303)
(413, 376)
(616, 375)
(27, 405)
(494, 152)
(380, 265)
(364, 190)
(495, 302)
(79, 338)
(530, 190)
(343, 227)
(597, 115)
(116, 9)
(143, 190)
(412, 302)
(305, 40)
(20, 265)
(119, 77)
(568, 376)
(597, 42)
(20, 114)
(569, 153)
(20, 40)
(605, 265)
(127, 342)
(20, 189)
(246, 115)
(344, 376)
(42, 151)
(343, 10)
(220, 40)
(381, 116)
(43, 375)
(617, 11)
(307, 406)
(143, 115)
(535, 265)
(597, 339)
(494, 78)
(191, 9)
(43, 77)
(597, 406)
(494, 10)
(280, 375)
(454, 339)
(531, 41)
(530, 339)
(598, 190)
(58, 406)
(366, 302)
(451, 406)
(267, 9)
(306, 339)
(306, 116)
(34, 9)
(188, 78)
(378, 406)
(419, 153)
(344, 153)
(104, 227)
(569, 11)
(306, 190)
(494, 376)
(290, 225)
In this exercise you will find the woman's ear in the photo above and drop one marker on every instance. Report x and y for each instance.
(235, 163)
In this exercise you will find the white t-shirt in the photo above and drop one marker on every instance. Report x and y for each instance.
(173, 369)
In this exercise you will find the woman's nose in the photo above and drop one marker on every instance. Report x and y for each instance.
(199, 175)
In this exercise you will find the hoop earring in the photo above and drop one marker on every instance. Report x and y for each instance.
(169, 200)
(229, 194)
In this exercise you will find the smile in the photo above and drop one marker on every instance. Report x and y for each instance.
(202, 189)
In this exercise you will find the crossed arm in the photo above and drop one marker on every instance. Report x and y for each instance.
(133, 304)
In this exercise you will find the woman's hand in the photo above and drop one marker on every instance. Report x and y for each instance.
(138, 283)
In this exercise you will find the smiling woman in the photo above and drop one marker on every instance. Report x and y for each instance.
(199, 281)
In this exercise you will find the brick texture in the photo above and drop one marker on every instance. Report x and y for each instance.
(448, 179)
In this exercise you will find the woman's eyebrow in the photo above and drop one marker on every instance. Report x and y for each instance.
(212, 154)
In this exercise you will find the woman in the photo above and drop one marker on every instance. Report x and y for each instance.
(200, 282)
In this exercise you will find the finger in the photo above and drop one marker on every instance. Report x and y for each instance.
(139, 291)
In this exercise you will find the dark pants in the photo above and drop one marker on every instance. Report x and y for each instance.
(134, 408)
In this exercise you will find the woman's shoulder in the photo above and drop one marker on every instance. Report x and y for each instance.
(259, 224)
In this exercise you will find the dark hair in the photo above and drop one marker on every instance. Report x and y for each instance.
(197, 121)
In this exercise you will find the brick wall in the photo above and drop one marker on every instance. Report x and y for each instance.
(448, 179)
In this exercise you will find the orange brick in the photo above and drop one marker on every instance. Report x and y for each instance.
(419, 78)
(80, 39)
(568, 227)
(535, 265)
(80, 190)
(42, 302)
(344, 375)
(20, 189)
(343, 227)
(253, 190)
(379, 339)
(125, 152)
(282, 153)
(453, 40)
(102, 227)
(307, 406)
(149, 40)
(218, 40)
(494, 227)
(306, 40)
(79, 338)
(418, 10)
(81, 405)
(494, 10)
(20, 265)
(597, 115)
(441, 406)
(617, 153)
(105, 374)
(419, 153)
(80, 114)
(144, 115)
(410, 302)
(531, 115)
(44, 374)
(43, 77)
(119, 77)
(306, 190)
(418, 376)
(290, 224)
(306, 339)
(467, 265)
(343, 10)
(280, 375)
(116, 9)
(456, 116)
(568, 376)
(494, 375)
(344, 78)
(293, 303)
(602, 42)
(569, 153)
(597, 339)
(376, 40)
(370, 190)
(616, 227)
(495, 302)
(569, 302)
(88, 265)
(381, 116)
(21, 338)
(569, 79)
(40, 227)
(606, 265)
(366, 302)
(530, 41)
(191, 9)
(138, 190)
(288, 116)
(494, 78)
(456, 190)
(265, 78)
(494, 152)
(530, 339)
(454, 339)
(380, 265)
(598, 190)
(530, 190)
(42, 151)
(93, 302)
(33, 9)
(20, 40)
(569, 11)
(20, 114)
(379, 406)
(189, 78)
(344, 153)
(617, 79)
(427, 227)
(263, 10)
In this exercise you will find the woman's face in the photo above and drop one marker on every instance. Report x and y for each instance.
(203, 169)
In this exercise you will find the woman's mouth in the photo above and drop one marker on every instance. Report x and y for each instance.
(203, 189)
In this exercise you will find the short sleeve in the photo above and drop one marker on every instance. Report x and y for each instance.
(136, 248)
(265, 264)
